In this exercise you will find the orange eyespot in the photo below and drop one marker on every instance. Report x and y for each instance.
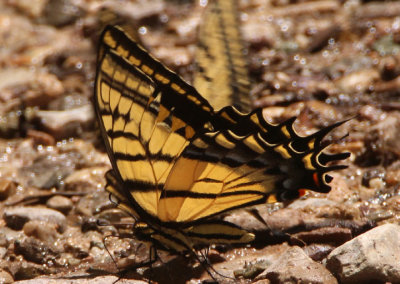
(316, 180)
(302, 192)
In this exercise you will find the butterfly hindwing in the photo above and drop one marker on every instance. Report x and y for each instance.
(214, 183)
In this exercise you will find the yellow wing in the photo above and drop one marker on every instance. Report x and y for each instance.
(145, 141)
(222, 75)
(175, 161)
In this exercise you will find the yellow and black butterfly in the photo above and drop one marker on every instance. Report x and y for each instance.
(177, 163)
(222, 73)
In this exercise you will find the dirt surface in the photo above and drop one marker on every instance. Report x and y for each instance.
(322, 61)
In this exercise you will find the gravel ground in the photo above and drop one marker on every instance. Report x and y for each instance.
(321, 61)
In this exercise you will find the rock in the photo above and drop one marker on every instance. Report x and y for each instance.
(262, 281)
(61, 12)
(29, 270)
(139, 10)
(8, 236)
(358, 81)
(85, 180)
(34, 250)
(76, 244)
(318, 252)
(7, 188)
(294, 266)
(65, 123)
(44, 88)
(311, 202)
(322, 209)
(39, 88)
(340, 191)
(251, 270)
(96, 280)
(41, 230)
(32, 8)
(5, 277)
(40, 137)
(332, 235)
(246, 220)
(13, 77)
(60, 203)
(113, 215)
(89, 224)
(16, 217)
(91, 204)
(47, 171)
(283, 219)
(3, 252)
(387, 132)
(372, 256)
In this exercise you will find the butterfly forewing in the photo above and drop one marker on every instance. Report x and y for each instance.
(221, 74)
(128, 118)
(186, 102)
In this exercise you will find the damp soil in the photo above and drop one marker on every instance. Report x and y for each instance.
(322, 61)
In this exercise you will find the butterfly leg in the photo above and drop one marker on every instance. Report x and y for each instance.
(153, 257)
(204, 261)
(152, 254)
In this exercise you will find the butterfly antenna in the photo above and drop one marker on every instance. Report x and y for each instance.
(153, 257)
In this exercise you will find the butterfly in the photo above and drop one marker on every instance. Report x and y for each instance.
(221, 73)
(176, 163)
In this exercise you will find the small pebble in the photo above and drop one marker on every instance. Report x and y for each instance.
(44, 231)
(16, 217)
(60, 203)
(5, 277)
(7, 188)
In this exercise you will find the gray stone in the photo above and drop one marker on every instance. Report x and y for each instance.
(294, 266)
(372, 256)
(41, 230)
(5, 277)
(97, 280)
(35, 250)
(16, 217)
(60, 203)
(7, 188)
